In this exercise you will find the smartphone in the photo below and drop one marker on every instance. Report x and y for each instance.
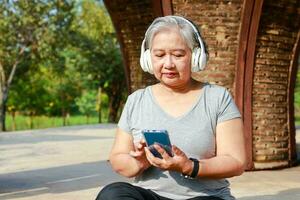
(161, 137)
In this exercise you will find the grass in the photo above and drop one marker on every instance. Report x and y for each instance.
(39, 122)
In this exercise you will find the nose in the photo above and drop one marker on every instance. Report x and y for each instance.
(168, 62)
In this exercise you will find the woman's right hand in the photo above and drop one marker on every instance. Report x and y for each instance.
(140, 155)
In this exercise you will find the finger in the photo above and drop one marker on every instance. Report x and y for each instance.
(137, 147)
(162, 151)
(132, 153)
(151, 158)
(149, 155)
(143, 141)
(177, 151)
(141, 145)
(135, 153)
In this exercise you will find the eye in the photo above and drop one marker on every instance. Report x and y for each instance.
(178, 55)
(159, 55)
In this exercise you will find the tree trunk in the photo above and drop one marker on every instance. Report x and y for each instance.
(115, 99)
(64, 118)
(4, 87)
(14, 125)
(68, 118)
(31, 120)
(63, 110)
(2, 115)
(99, 103)
(3, 99)
(87, 119)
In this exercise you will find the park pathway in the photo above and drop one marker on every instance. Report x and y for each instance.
(70, 163)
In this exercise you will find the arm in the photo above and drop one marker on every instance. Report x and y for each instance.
(124, 151)
(230, 156)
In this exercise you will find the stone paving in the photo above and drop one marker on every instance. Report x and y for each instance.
(70, 163)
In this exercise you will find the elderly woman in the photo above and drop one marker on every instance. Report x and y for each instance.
(202, 120)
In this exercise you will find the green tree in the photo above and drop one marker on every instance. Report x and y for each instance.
(87, 103)
(97, 42)
(28, 31)
(67, 82)
(31, 100)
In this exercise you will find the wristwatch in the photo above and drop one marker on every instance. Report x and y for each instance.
(195, 169)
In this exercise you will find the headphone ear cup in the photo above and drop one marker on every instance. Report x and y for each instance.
(195, 67)
(142, 59)
(202, 60)
(147, 61)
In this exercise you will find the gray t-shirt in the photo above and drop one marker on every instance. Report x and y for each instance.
(193, 132)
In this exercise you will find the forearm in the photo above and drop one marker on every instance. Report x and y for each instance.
(126, 165)
(223, 166)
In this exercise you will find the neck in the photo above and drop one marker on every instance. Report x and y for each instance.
(181, 89)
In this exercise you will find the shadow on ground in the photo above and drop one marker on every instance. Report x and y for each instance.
(57, 180)
(291, 194)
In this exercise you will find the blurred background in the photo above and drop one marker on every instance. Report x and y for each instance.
(60, 64)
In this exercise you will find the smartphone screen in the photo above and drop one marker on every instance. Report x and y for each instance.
(161, 137)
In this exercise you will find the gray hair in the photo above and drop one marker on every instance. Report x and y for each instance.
(164, 23)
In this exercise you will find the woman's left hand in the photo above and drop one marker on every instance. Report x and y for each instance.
(179, 162)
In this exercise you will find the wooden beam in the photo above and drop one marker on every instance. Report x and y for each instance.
(244, 70)
(157, 8)
(241, 53)
(290, 96)
(248, 80)
(162, 7)
(167, 7)
(240, 72)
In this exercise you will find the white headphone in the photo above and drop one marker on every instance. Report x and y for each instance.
(199, 56)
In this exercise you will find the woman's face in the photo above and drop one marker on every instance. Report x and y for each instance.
(171, 58)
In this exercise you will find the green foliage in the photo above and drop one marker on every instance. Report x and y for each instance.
(87, 103)
(97, 43)
(62, 49)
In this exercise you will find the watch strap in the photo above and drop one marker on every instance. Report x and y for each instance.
(195, 170)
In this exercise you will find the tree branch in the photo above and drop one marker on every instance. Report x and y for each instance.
(2, 75)
(13, 70)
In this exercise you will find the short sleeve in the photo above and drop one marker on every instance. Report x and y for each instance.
(124, 122)
(227, 107)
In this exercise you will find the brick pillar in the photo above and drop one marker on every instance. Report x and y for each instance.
(273, 131)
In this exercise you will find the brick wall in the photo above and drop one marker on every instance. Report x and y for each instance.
(219, 23)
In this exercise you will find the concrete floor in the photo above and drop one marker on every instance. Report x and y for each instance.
(70, 164)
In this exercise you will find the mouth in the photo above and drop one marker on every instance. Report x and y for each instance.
(170, 74)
